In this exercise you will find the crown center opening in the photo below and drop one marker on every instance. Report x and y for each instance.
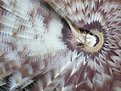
(93, 40)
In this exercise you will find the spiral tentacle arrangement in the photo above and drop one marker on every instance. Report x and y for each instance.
(60, 45)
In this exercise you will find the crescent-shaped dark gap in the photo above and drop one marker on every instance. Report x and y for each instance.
(82, 30)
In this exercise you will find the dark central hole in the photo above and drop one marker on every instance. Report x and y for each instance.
(85, 31)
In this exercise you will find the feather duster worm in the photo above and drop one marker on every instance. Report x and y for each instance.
(98, 22)
(81, 53)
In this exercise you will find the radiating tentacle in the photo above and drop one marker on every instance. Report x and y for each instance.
(102, 20)
(38, 51)
(24, 40)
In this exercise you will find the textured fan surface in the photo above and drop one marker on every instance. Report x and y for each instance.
(38, 51)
